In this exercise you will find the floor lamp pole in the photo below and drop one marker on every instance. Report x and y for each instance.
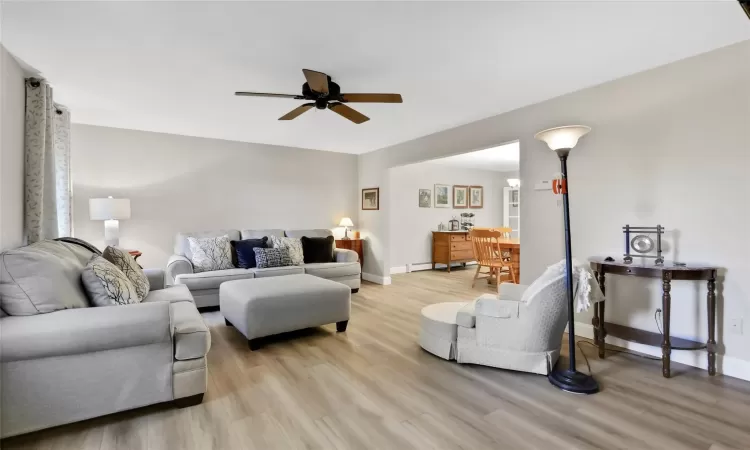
(570, 380)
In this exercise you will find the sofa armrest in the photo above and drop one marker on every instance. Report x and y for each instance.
(344, 255)
(84, 330)
(489, 305)
(155, 278)
(177, 265)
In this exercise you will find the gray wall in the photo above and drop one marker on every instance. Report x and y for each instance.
(13, 100)
(411, 226)
(669, 145)
(179, 183)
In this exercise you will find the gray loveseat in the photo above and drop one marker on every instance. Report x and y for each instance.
(345, 268)
(62, 361)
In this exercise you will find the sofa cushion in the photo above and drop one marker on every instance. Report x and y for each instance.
(210, 253)
(42, 277)
(182, 246)
(212, 280)
(243, 255)
(317, 249)
(293, 246)
(106, 285)
(332, 270)
(277, 271)
(171, 294)
(272, 257)
(320, 232)
(191, 336)
(126, 263)
(257, 234)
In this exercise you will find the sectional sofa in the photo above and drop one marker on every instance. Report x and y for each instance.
(204, 286)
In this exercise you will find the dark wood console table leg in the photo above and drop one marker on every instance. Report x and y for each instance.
(711, 305)
(599, 331)
(666, 345)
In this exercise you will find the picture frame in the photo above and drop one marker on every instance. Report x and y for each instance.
(476, 197)
(442, 196)
(425, 198)
(370, 199)
(460, 196)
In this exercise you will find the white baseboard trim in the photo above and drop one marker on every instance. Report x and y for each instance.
(727, 365)
(376, 279)
(418, 267)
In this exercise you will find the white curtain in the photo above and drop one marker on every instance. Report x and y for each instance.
(47, 179)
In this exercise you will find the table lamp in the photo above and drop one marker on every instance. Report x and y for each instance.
(561, 140)
(346, 223)
(110, 210)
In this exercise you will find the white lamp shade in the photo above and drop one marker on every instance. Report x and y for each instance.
(346, 222)
(562, 137)
(514, 182)
(109, 208)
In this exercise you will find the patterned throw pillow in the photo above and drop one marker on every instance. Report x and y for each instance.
(126, 263)
(293, 246)
(211, 253)
(106, 285)
(272, 257)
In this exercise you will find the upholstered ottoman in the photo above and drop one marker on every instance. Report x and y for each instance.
(259, 307)
(438, 329)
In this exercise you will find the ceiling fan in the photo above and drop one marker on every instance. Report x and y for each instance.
(325, 94)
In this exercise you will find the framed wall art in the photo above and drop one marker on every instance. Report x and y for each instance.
(460, 196)
(371, 199)
(476, 197)
(442, 196)
(425, 198)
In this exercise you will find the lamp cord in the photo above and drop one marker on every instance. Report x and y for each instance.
(585, 358)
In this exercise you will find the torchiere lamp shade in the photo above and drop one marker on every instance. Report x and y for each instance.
(562, 137)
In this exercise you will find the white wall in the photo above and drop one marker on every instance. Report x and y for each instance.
(411, 226)
(179, 183)
(670, 145)
(13, 100)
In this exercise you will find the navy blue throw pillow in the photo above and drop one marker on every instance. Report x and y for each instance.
(243, 255)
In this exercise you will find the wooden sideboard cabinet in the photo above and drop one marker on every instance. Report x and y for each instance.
(451, 247)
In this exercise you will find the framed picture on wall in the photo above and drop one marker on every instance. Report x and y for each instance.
(371, 199)
(425, 198)
(442, 196)
(476, 196)
(460, 196)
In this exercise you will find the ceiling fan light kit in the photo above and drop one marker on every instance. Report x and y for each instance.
(323, 93)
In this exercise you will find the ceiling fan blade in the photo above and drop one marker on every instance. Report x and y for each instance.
(372, 98)
(347, 112)
(263, 94)
(318, 81)
(297, 111)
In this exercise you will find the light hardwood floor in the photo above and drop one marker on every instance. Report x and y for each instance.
(374, 388)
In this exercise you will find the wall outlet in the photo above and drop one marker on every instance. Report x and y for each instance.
(735, 325)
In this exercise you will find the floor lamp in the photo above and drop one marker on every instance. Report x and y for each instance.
(561, 140)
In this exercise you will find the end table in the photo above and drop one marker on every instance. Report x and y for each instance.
(354, 245)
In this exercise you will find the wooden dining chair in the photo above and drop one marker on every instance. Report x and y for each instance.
(489, 253)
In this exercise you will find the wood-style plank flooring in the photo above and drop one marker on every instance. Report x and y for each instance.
(374, 388)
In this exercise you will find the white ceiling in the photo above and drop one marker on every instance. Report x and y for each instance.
(173, 66)
(504, 158)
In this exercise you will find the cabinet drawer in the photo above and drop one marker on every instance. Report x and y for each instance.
(465, 245)
(462, 254)
(458, 237)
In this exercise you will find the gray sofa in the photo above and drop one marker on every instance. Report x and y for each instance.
(345, 268)
(62, 361)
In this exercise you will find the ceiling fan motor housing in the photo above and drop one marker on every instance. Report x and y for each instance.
(321, 100)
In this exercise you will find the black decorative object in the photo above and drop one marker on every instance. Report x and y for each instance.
(317, 249)
(642, 244)
(561, 140)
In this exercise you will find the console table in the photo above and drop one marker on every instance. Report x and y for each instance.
(667, 273)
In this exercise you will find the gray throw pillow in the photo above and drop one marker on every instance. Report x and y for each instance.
(293, 246)
(126, 263)
(272, 257)
(210, 253)
(106, 285)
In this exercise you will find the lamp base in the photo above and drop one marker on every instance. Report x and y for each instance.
(573, 381)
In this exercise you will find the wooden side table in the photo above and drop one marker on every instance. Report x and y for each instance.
(355, 245)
